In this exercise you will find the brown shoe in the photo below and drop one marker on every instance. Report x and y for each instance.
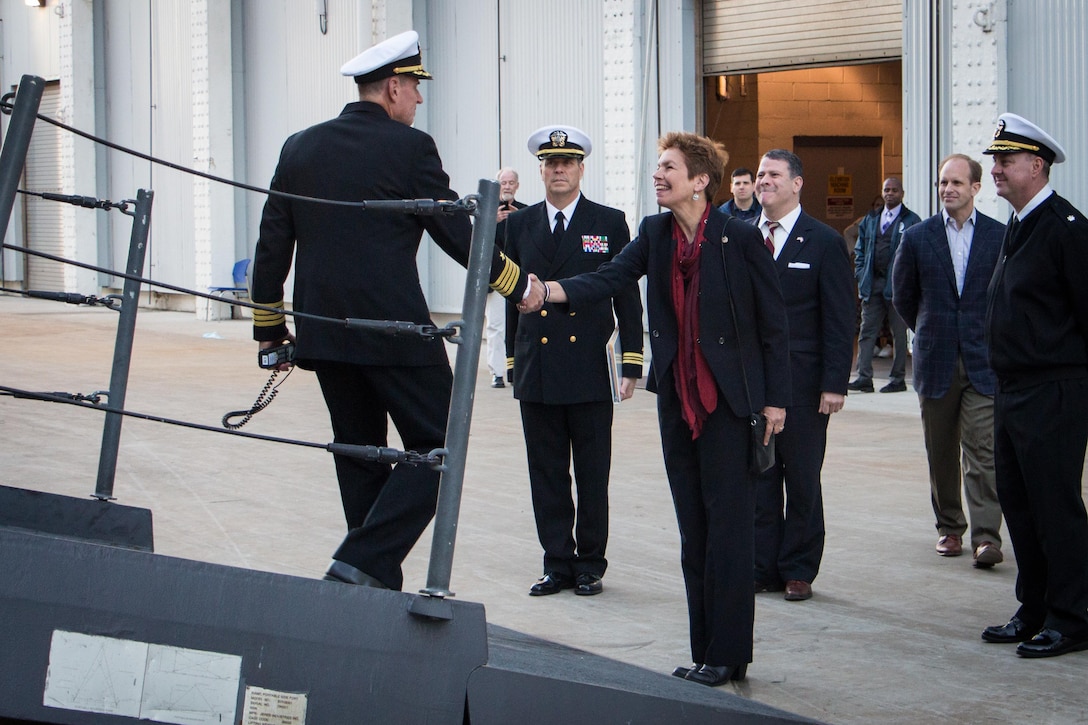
(950, 545)
(798, 591)
(987, 554)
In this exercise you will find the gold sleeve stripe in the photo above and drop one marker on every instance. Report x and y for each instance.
(269, 318)
(509, 363)
(632, 358)
(508, 279)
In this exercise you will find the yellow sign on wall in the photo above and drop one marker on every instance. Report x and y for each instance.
(840, 185)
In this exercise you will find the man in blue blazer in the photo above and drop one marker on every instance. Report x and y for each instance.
(941, 273)
(878, 238)
(814, 272)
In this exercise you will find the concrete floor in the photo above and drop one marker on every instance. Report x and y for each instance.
(891, 635)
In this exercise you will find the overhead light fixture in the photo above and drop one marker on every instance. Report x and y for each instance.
(35, 3)
(721, 90)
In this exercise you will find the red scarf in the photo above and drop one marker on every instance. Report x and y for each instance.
(694, 382)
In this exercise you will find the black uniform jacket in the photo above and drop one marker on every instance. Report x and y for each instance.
(355, 263)
(818, 287)
(559, 354)
(762, 340)
(1037, 316)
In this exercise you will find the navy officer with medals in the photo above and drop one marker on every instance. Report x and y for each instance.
(560, 371)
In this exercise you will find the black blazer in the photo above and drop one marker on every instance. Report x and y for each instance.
(351, 262)
(762, 340)
(947, 325)
(559, 353)
(818, 287)
(1037, 310)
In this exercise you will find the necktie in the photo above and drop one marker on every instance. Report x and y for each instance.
(557, 233)
(886, 223)
(768, 241)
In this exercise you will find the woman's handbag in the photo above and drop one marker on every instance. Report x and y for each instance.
(760, 457)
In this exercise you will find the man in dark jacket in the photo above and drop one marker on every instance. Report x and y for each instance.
(353, 263)
(743, 205)
(1037, 331)
(814, 272)
(878, 239)
(564, 376)
(941, 272)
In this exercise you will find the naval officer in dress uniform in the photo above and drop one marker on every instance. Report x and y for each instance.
(353, 263)
(561, 375)
(1037, 332)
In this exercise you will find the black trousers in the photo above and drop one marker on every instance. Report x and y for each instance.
(386, 507)
(1040, 434)
(714, 499)
(789, 501)
(574, 539)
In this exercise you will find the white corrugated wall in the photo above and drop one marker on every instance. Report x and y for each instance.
(1048, 81)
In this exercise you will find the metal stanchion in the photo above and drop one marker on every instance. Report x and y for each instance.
(460, 418)
(16, 143)
(122, 350)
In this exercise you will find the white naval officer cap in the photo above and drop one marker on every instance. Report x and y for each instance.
(1015, 134)
(399, 55)
(563, 142)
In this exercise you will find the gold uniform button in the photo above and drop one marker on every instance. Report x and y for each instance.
(572, 314)
(543, 313)
(573, 338)
(543, 341)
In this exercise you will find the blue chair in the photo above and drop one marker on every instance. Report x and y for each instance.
(239, 273)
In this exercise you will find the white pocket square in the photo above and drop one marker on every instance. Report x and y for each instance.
(799, 265)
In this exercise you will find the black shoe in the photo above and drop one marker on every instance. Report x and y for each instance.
(1015, 631)
(895, 386)
(588, 585)
(347, 574)
(1051, 643)
(497, 381)
(550, 583)
(860, 386)
(761, 587)
(682, 672)
(712, 676)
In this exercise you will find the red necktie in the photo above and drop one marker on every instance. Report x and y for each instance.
(769, 241)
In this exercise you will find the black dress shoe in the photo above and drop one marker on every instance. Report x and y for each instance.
(682, 672)
(860, 386)
(714, 675)
(895, 386)
(1051, 643)
(497, 381)
(347, 574)
(588, 585)
(1015, 631)
(550, 583)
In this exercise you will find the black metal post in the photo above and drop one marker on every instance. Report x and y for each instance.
(16, 142)
(464, 391)
(122, 349)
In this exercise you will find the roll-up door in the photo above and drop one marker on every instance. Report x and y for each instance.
(742, 36)
(44, 231)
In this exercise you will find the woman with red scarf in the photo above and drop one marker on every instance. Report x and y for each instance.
(701, 360)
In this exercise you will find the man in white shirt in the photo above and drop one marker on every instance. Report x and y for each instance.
(939, 282)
